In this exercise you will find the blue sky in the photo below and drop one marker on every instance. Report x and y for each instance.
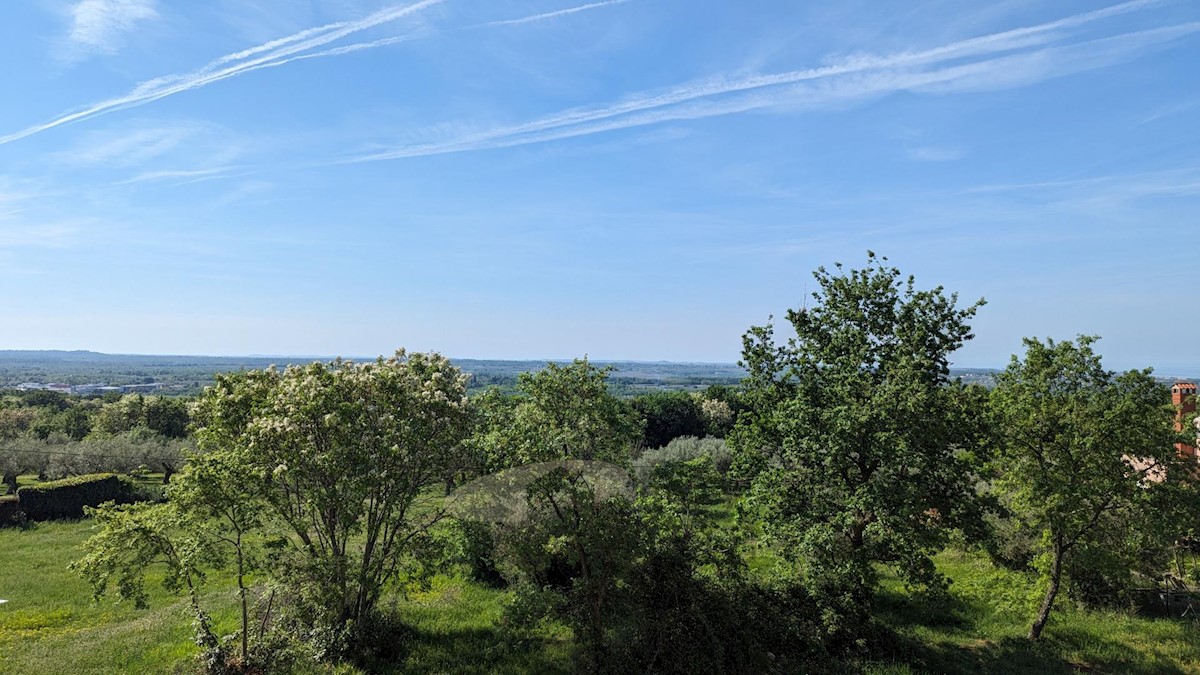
(637, 179)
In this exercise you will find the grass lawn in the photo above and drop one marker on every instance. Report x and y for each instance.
(51, 625)
(981, 629)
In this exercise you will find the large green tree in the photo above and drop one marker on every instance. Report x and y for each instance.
(856, 439)
(1086, 457)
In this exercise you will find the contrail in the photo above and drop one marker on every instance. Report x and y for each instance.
(275, 53)
(396, 39)
(551, 15)
(217, 70)
(582, 121)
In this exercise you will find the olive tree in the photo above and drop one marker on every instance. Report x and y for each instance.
(855, 436)
(15, 455)
(1086, 455)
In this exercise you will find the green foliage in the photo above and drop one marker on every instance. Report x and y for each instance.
(487, 448)
(854, 440)
(721, 404)
(164, 416)
(651, 585)
(67, 498)
(74, 422)
(669, 415)
(1086, 459)
(561, 412)
(10, 510)
(338, 454)
(132, 539)
(127, 452)
(220, 493)
(685, 449)
(473, 544)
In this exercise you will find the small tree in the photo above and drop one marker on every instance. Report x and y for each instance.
(15, 456)
(1086, 455)
(567, 412)
(854, 435)
(222, 495)
(132, 539)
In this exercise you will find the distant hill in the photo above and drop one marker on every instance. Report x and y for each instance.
(183, 374)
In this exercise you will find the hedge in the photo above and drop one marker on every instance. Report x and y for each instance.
(66, 498)
(10, 510)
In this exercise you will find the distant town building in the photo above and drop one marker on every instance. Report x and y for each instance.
(94, 388)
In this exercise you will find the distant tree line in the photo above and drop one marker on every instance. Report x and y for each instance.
(55, 435)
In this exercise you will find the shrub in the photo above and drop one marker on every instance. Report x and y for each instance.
(685, 449)
(66, 498)
(473, 544)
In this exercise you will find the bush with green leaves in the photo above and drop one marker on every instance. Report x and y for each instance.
(561, 411)
(669, 415)
(650, 584)
(684, 449)
(10, 510)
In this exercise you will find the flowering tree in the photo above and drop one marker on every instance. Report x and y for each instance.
(334, 456)
(343, 451)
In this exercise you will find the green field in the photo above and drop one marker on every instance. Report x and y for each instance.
(51, 625)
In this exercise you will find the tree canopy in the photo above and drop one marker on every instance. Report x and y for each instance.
(854, 443)
(1086, 455)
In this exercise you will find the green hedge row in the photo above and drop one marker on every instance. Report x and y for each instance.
(66, 498)
(10, 510)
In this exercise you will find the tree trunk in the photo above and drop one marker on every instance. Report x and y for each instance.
(10, 479)
(1035, 631)
(241, 581)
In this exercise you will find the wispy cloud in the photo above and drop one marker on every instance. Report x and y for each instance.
(228, 66)
(185, 176)
(933, 153)
(1108, 190)
(1170, 110)
(1010, 58)
(100, 25)
(129, 147)
(53, 235)
(555, 14)
(275, 53)
(397, 39)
